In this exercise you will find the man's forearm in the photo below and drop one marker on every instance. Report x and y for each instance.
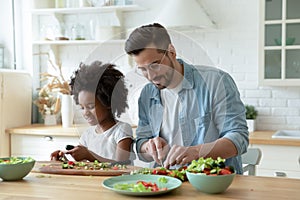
(223, 147)
(144, 151)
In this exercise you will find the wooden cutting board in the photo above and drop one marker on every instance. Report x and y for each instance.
(55, 167)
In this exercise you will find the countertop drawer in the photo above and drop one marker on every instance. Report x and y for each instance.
(278, 158)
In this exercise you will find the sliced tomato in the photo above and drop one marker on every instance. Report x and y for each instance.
(146, 184)
(160, 171)
(115, 168)
(154, 188)
(230, 168)
(206, 171)
(71, 163)
(225, 171)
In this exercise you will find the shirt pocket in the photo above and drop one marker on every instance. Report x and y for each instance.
(200, 128)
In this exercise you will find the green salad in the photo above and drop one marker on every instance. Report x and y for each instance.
(143, 186)
(210, 166)
(15, 160)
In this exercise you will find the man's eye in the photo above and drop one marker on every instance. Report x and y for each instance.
(91, 107)
(154, 66)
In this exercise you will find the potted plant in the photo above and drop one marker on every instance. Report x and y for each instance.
(48, 105)
(48, 100)
(251, 114)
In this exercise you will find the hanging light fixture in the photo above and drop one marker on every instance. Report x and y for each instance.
(184, 15)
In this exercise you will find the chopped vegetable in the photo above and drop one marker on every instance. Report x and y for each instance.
(176, 173)
(163, 180)
(210, 166)
(16, 160)
(96, 165)
(139, 186)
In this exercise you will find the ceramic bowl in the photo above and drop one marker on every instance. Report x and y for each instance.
(13, 172)
(210, 184)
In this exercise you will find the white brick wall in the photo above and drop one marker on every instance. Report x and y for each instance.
(232, 46)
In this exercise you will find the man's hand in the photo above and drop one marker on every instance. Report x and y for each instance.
(157, 148)
(180, 155)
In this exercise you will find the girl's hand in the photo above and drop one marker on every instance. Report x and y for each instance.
(58, 156)
(80, 153)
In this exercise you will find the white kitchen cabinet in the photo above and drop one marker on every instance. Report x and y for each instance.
(58, 25)
(39, 147)
(76, 26)
(278, 158)
(279, 43)
(74, 35)
(15, 106)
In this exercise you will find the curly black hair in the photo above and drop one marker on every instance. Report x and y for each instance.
(105, 81)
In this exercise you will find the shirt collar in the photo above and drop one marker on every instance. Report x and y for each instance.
(188, 80)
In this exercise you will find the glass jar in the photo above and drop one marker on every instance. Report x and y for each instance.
(78, 32)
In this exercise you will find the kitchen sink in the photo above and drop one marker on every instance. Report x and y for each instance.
(287, 134)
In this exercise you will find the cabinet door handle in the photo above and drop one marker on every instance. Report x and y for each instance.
(280, 174)
(48, 138)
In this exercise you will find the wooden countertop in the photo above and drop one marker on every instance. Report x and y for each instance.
(44, 186)
(265, 137)
(257, 137)
(41, 129)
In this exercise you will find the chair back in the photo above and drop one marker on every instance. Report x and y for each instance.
(250, 159)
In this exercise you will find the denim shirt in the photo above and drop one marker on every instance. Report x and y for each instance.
(211, 108)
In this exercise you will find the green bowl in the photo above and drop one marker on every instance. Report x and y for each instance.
(13, 172)
(210, 184)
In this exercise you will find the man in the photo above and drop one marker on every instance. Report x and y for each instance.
(186, 111)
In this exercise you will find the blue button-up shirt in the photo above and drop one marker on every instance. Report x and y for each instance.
(211, 108)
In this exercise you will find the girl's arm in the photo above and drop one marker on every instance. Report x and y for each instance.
(80, 152)
(124, 149)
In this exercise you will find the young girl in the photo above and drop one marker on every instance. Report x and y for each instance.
(101, 92)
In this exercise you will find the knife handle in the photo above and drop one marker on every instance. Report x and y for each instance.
(69, 147)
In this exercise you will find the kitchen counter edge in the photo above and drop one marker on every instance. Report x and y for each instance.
(256, 137)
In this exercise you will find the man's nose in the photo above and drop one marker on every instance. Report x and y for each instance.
(85, 111)
(150, 75)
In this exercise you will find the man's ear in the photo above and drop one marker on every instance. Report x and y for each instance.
(172, 51)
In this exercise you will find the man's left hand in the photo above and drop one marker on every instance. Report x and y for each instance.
(180, 155)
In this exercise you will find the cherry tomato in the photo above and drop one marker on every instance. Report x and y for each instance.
(225, 171)
(71, 163)
(115, 168)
